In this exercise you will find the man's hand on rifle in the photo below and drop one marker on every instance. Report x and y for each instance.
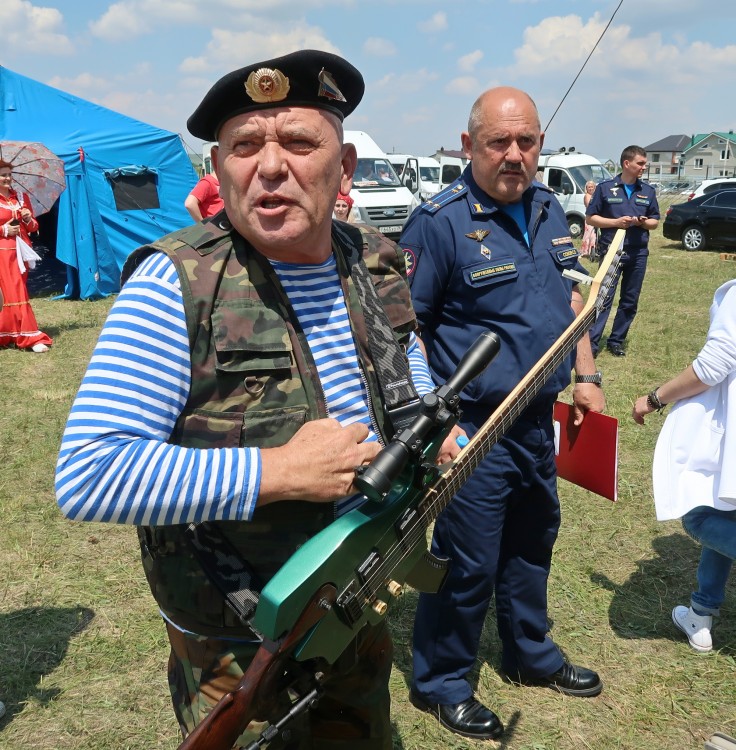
(317, 464)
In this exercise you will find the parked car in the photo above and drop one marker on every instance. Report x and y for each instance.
(706, 220)
(708, 186)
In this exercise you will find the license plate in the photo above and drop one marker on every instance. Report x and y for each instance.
(391, 229)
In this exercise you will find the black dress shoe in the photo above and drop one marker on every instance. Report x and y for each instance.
(616, 349)
(570, 680)
(469, 718)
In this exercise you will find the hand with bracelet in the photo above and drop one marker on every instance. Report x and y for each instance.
(686, 384)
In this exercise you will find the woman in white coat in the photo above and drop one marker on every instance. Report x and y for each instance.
(693, 476)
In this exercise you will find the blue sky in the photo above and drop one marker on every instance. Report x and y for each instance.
(663, 67)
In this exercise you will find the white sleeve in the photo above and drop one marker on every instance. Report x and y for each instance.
(115, 463)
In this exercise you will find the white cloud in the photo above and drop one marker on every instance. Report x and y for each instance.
(562, 43)
(406, 82)
(463, 86)
(29, 28)
(438, 22)
(227, 49)
(379, 47)
(85, 85)
(121, 21)
(468, 62)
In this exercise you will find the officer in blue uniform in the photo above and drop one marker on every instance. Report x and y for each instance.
(488, 253)
(624, 202)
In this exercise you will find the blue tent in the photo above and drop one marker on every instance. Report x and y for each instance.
(126, 180)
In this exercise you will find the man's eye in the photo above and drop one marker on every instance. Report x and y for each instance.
(299, 145)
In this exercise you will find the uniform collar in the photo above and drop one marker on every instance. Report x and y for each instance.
(619, 180)
(480, 203)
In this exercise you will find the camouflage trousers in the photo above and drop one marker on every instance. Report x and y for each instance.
(353, 713)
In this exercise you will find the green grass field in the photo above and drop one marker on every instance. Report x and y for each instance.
(83, 651)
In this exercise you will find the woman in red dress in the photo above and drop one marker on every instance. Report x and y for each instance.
(18, 325)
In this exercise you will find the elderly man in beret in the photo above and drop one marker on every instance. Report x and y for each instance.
(236, 385)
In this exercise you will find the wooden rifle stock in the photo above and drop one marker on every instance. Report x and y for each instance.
(234, 711)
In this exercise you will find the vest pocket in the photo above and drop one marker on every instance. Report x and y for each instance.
(250, 337)
(272, 428)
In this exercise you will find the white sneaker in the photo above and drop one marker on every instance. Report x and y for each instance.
(695, 627)
(39, 348)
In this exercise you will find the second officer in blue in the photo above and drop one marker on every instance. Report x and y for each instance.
(489, 253)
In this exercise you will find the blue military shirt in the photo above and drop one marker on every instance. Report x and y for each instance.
(611, 200)
(471, 269)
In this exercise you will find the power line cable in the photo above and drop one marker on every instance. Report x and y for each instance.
(584, 64)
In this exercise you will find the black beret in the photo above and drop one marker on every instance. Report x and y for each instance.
(307, 78)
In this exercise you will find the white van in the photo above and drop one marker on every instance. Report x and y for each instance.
(398, 161)
(380, 200)
(421, 175)
(566, 172)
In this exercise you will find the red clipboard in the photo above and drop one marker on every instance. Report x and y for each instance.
(587, 455)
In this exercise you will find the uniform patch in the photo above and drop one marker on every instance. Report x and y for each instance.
(615, 200)
(485, 252)
(410, 259)
(642, 200)
(566, 254)
(491, 271)
(562, 241)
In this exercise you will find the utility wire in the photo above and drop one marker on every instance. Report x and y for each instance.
(584, 64)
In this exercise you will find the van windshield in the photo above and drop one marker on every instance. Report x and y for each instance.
(595, 172)
(374, 173)
(429, 174)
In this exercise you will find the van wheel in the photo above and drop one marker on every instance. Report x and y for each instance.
(577, 226)
(693, 238)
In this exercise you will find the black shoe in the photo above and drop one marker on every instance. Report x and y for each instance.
(469, 718)
(570, 680)
(616, 349)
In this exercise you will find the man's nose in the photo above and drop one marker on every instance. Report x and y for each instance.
(271, 162)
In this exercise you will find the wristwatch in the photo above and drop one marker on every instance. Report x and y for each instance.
(596, 378)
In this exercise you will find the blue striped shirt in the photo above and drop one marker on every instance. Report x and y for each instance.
(115, 463)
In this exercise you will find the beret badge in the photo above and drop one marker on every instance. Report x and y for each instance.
(267, 85)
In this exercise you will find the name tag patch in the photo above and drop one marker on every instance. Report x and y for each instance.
(482, 273)
(566, 254)
(642, 200)
(615, 200)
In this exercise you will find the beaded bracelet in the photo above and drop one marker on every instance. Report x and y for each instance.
(654, 402)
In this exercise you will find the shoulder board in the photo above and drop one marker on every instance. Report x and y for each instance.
(449, 194)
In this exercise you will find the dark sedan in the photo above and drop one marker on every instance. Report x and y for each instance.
(707, 220)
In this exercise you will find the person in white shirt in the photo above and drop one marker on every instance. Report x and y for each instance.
(693, 479)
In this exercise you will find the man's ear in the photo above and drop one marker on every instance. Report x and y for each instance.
(349, 162)
(467, 143)
(213, 157)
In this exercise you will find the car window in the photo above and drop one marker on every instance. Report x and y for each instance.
(725, 198)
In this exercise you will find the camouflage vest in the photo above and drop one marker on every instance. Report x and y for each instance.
(254, 383)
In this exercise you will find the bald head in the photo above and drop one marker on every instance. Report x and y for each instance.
(503, 141)
(495, 100)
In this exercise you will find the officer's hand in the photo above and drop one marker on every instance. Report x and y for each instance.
(586, 397)
(317, 464)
